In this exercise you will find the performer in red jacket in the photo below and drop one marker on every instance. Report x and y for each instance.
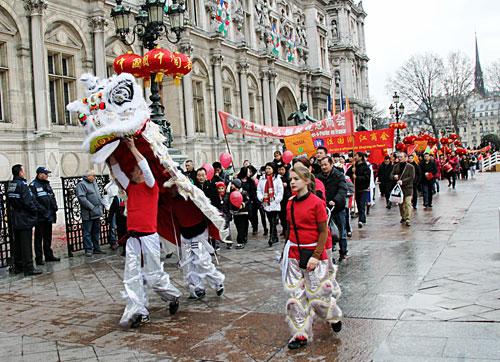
(196, 260)
(142, 207)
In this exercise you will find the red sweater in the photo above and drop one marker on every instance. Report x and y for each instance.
(309, 212)
(142, 207)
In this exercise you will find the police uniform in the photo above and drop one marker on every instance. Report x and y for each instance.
(47, 209)
(23, 214)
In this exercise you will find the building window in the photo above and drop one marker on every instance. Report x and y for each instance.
(109, 70)
(251, 106)
(4, 71)
(199, 114)
(227, 100)
(322, 51)
(61, 87)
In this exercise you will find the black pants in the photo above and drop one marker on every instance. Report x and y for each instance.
(361, 203)
(427, 190)
(414, 197)
(22, 251)
(262, 213)
(43, 241)
(254, 216)
(241, 223)
(282, 216)
(272, 217)
(452, 179)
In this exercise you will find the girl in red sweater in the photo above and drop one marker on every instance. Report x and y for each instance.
(305, 266)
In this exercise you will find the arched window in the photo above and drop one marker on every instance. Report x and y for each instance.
(64, 54)
(200, 97)
(9, 42)
(229, 92)
(254, 99)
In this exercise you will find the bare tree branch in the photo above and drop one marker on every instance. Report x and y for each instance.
(418, 81)
(493, 76)
(457, 82)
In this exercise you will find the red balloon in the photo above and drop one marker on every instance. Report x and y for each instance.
(236, 199)
(225, 159)
(287, 156)
(210, 171)
(429, 176)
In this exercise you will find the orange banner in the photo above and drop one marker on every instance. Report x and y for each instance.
(362, 141)
(301, 144)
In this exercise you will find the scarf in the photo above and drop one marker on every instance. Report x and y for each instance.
(268, 191)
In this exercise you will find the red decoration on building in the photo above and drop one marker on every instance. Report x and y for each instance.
(128, 63)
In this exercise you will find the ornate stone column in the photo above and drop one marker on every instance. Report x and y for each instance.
(187, 87)
(266, 98)
(303, 92)
(245, 106)
(97, 24)
(35, 10)
(272, 93)
(217, 59)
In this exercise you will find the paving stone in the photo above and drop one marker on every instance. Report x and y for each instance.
(473, 348)
(43, 356)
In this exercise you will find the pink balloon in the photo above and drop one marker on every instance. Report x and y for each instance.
(210, 171)
(225, 159)
(236, 199)
(287, 156)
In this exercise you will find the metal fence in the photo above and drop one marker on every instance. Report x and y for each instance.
(5, 227)
(73, 217)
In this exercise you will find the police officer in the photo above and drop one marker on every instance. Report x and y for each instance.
(47, 209)
(23, 211)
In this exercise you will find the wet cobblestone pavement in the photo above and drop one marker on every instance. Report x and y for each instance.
(426, 293)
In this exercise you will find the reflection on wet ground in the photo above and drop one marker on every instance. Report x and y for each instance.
(430, 292)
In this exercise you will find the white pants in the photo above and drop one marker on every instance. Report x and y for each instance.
(310, 294)
(152, 272)
(197, 264)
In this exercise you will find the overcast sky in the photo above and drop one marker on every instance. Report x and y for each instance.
(397, 29)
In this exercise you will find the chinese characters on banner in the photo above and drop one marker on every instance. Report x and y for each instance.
(340, 124)
(361, 141)
(301, 144)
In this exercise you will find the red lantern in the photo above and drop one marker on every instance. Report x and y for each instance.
(401, 147)
(461, 151)
(457, 143)
(446, 149)
(179, 65)
(454, 136)
(408, 140)
(432, 141)
(157, 61)
(402, 125)
(445, 141)
(128, 63)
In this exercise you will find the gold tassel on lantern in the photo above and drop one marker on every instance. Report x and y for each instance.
(177, 79)
(159, 77)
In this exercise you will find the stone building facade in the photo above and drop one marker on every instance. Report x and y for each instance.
(273, 55)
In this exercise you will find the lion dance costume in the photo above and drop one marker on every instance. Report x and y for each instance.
(115, 108)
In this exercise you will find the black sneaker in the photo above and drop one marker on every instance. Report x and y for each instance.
(139, 320)
(32, 272)
(240, 246)
(266, 232)
(173, 307)
(99, 251)
(297, 343)
(360, 225)
(337, 327)
(53, 259)
(39, 262)
(220, 290)
(349, 234)
(402, 221)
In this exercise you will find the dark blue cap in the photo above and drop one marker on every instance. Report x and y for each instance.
(42, 169)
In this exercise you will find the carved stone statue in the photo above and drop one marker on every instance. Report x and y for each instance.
(300, 116)
(335, 32)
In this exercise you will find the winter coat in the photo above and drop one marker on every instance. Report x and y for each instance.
(275, 205)
(336, 188)
(46, 200)
(428, 167)
(363, 175)
(406, 173)
(418, 175)
(89, 197)
(22, 204)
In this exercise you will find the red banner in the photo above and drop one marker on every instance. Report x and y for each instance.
(361, 141)
(340, 124)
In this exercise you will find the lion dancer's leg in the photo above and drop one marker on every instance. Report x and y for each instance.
(319, 289)
(133, 282)
(155, 276)
(198, 266)
(299, 314)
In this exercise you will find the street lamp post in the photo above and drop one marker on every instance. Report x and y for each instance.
(397, 109)
(149, 27)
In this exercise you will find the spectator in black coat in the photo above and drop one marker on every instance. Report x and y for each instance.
(416, 181)
(428, 171)
(361, 178)
(384, 178)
